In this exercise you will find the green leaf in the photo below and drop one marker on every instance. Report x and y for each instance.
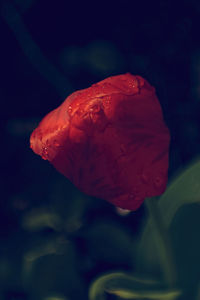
(41, 218)
(129, 287)
(159, 295)
(183, 189)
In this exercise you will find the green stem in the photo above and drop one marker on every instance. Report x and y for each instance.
(163, 242)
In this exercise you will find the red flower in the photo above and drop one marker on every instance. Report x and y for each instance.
(110, 140)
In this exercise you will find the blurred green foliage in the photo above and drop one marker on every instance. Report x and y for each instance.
(130, 287)
(57, 252)
(184, 189)
(183, 221)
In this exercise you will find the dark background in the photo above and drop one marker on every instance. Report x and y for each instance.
(48, 50)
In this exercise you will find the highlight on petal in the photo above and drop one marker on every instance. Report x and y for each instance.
(110, 140)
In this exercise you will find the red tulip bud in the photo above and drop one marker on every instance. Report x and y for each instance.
(110, 140)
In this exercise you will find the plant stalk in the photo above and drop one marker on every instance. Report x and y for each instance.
(163, 242)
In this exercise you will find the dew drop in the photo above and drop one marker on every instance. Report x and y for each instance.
(69, 109)
(45, 150)
(45, 153)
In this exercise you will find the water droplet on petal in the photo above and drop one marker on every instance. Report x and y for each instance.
(45, 150)
(69, 109)
(45, 153)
